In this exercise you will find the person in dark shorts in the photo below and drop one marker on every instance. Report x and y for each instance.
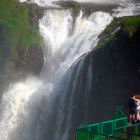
(137, 98)
(132, 109)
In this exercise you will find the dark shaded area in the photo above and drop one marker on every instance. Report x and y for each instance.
(116, 69)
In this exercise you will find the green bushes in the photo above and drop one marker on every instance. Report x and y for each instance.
(14, 21)
(20, 42)
(129, 26)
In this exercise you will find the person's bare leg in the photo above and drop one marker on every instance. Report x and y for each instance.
(130, 118)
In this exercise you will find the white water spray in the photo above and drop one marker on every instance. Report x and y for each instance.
(127, 9)
(20, 119)
(62, 54)
(17, 109)
(67, 51)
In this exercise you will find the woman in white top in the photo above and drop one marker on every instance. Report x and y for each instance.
(137, 98)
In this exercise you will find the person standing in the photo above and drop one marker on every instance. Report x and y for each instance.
(132, 109)
(137, 98)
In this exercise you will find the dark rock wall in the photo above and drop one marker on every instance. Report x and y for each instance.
(116, 71)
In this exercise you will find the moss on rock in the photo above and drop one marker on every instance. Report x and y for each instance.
(128, 26)
(20, 41)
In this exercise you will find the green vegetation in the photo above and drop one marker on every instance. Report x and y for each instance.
(20, 42)
(129, 26)
(15, 26)
(112, 26)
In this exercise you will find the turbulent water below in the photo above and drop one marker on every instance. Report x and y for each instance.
(53, 105)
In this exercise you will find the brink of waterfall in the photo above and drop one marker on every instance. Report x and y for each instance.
(76, 73)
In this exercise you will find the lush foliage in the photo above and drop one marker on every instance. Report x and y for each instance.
(129, 24)
(20, 42)
(15, 26)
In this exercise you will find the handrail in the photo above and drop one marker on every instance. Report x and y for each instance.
(119, 111)
(106, 136)
(104, 130)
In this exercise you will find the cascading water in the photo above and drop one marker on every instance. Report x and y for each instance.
(60, 58)
(49, 107)
(18, 112)
(63, 49)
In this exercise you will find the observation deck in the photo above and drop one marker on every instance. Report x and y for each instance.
(116, 129)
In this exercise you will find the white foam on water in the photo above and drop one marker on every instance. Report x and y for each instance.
(127, 9)
(14, 109)
(63, 50)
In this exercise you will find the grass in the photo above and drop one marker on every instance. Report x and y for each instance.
(15, 26)
(128, 25)
(18, 36)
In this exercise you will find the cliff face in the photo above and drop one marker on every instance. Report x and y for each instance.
(116, 66)
(110, 73)
(20, 42)
(119, 53)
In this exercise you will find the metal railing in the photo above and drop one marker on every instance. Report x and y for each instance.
(116, 129)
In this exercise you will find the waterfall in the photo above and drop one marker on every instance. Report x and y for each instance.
(61, 49)
(52, 106)
(61, 57)
(18, 113)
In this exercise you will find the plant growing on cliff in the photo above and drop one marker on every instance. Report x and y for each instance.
(20, 42)
(126, 25)
(14, 21)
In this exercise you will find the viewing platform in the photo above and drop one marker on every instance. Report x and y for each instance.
(116, 129)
